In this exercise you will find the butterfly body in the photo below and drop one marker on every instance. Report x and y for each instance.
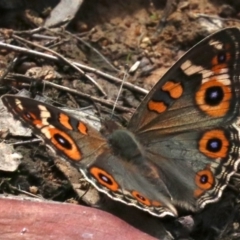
(181, 146)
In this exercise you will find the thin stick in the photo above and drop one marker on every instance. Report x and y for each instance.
(119, 92)
(25, 192)
(37, 140)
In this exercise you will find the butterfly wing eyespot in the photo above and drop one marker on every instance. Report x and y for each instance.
(214, 144)
(63, 142)
(104, 178)
(214, 98)
(220, 61)
(140, 198)
(204, 180)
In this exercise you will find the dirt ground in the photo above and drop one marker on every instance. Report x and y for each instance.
(109, 37)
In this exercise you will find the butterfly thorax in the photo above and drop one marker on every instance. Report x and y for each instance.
(125, 144)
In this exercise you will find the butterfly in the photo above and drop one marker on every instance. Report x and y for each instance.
(181, 146)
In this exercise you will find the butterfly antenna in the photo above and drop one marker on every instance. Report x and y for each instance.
(119, 92)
